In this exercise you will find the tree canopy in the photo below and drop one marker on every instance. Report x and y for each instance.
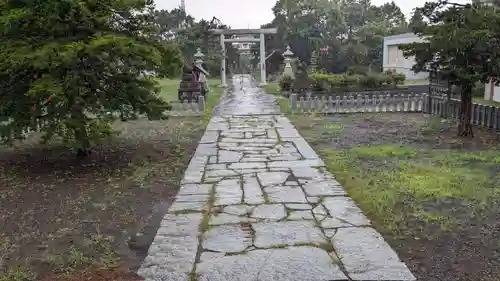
(350, 32)
(189, 34)
(66, 64)
(462, 42)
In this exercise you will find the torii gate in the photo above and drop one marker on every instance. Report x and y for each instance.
(223, 41)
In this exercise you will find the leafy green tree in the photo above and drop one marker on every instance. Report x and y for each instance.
(462, 41)
(353, 29)
(66, 64)
(192, 35)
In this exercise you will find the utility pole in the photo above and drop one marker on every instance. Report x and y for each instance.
(183, 5)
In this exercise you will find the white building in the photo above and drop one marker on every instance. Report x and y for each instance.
(394, 59)
(491, 92)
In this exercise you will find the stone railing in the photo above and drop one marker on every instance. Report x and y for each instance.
(357, 103)
(188, 108)
(482, 115)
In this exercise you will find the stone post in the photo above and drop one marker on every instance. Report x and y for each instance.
(263, 80)
(223, 61)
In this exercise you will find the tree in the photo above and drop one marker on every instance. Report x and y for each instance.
(417, 20)
(66, 64)
(352, 29)
(463, 42)
(194, 35)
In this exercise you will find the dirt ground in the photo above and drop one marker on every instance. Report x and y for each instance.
(432, 195)
(60, 214)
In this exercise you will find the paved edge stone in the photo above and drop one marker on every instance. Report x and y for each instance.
(366, 256)
(172, 254)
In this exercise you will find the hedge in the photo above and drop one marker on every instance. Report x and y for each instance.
(326, 82)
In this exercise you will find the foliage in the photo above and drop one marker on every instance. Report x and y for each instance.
(319, 81)
(67, 64)
(195, 34)
(343, 33)
(285, 82)
(327, 82)
(462, 41)
(394, 77)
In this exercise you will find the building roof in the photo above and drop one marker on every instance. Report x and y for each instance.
(402, 36)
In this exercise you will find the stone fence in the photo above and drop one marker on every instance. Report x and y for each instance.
(188, 108)
(357, 103)
(482, 115)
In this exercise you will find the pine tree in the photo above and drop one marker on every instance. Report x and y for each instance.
(462, 43)
(417, 20)
(67, 63)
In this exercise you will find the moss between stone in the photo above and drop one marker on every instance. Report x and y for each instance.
(204, 224)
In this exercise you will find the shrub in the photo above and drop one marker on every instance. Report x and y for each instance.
(320, 81)
(399, 78)
(337, 81)
(286, 82)
(372, 81)
(352, 80)
(394, 78)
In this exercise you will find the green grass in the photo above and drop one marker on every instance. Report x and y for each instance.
(395, 185)
(273, 89)
(169, 91)
(485, 102)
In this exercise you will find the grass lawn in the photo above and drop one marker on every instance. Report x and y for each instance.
(273, 89)
(433, 196)
(485, 102)
(62, 217)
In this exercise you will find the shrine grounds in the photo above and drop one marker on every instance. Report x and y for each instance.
(67, 218)
(434, 197)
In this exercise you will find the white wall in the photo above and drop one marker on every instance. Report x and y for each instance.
(404, 65)
(488, 95)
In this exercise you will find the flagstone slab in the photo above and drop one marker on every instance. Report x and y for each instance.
(291, 264)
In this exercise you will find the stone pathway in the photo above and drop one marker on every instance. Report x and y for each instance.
(257, 204)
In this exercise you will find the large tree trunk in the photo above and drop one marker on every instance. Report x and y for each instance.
(464, 125)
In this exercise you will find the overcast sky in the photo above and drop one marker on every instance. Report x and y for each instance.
(253, 13)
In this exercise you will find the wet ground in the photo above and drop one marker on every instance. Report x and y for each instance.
(59, 213)
(444, 194)
(244, 100)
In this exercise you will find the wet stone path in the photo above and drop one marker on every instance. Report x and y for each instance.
(257, 204)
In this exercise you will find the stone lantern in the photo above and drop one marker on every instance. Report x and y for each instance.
(288, 54)
(199, 57)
